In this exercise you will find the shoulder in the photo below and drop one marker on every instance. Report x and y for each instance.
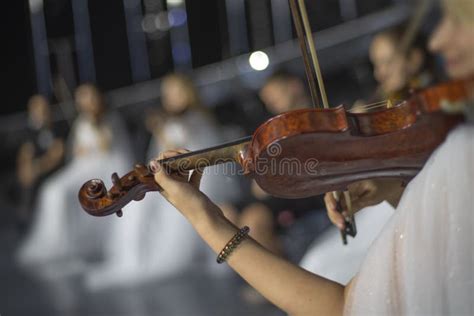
(464, 132)
(452, 161)
(460, 140)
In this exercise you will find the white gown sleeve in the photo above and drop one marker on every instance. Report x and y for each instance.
(329, 258)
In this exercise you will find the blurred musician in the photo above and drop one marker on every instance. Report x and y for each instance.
(39, 155)
(98, 145)
(397, 72)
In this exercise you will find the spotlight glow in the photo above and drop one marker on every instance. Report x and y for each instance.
(259, 60)
(161, 21)
(148, 23)
(175, 2)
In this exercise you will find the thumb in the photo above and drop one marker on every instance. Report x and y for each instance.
(161, 176)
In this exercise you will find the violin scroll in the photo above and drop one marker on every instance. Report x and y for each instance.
(95, 189)
(96, 200)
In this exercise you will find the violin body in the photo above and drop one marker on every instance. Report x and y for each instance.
(323, 150)
(312, 163)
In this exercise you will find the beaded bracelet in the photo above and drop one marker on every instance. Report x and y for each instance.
(232, 244)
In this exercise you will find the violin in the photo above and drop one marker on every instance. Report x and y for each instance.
(307, 152)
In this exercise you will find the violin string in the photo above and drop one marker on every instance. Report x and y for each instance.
(362, 109)
(388, 104)
(365, 107)
(312, 49)
(371, 106)
(374, 107)
(375, 103)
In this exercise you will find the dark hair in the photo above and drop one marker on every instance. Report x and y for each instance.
(396, 36)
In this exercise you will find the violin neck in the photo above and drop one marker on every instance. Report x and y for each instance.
(228, 152)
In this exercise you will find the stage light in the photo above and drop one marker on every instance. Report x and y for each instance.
(259, 60)
(174, 2)
(162, 22)
(148, 23)
(36, 6)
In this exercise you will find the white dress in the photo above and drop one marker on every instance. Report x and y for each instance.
(423, 261)
(61, 229)
(153, 240)
(329, 258)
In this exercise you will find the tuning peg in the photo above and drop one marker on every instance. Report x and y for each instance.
(116, 180)
(119, 213)
(141, 170)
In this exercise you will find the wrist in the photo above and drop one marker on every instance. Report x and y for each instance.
(208, 217)
(213, 226)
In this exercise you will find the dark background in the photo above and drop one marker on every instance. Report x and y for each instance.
(207, 32)
(217, 62)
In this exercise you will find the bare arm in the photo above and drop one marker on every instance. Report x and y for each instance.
(30, 168)
(52, 158)
(294, 290)
(24, 163)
